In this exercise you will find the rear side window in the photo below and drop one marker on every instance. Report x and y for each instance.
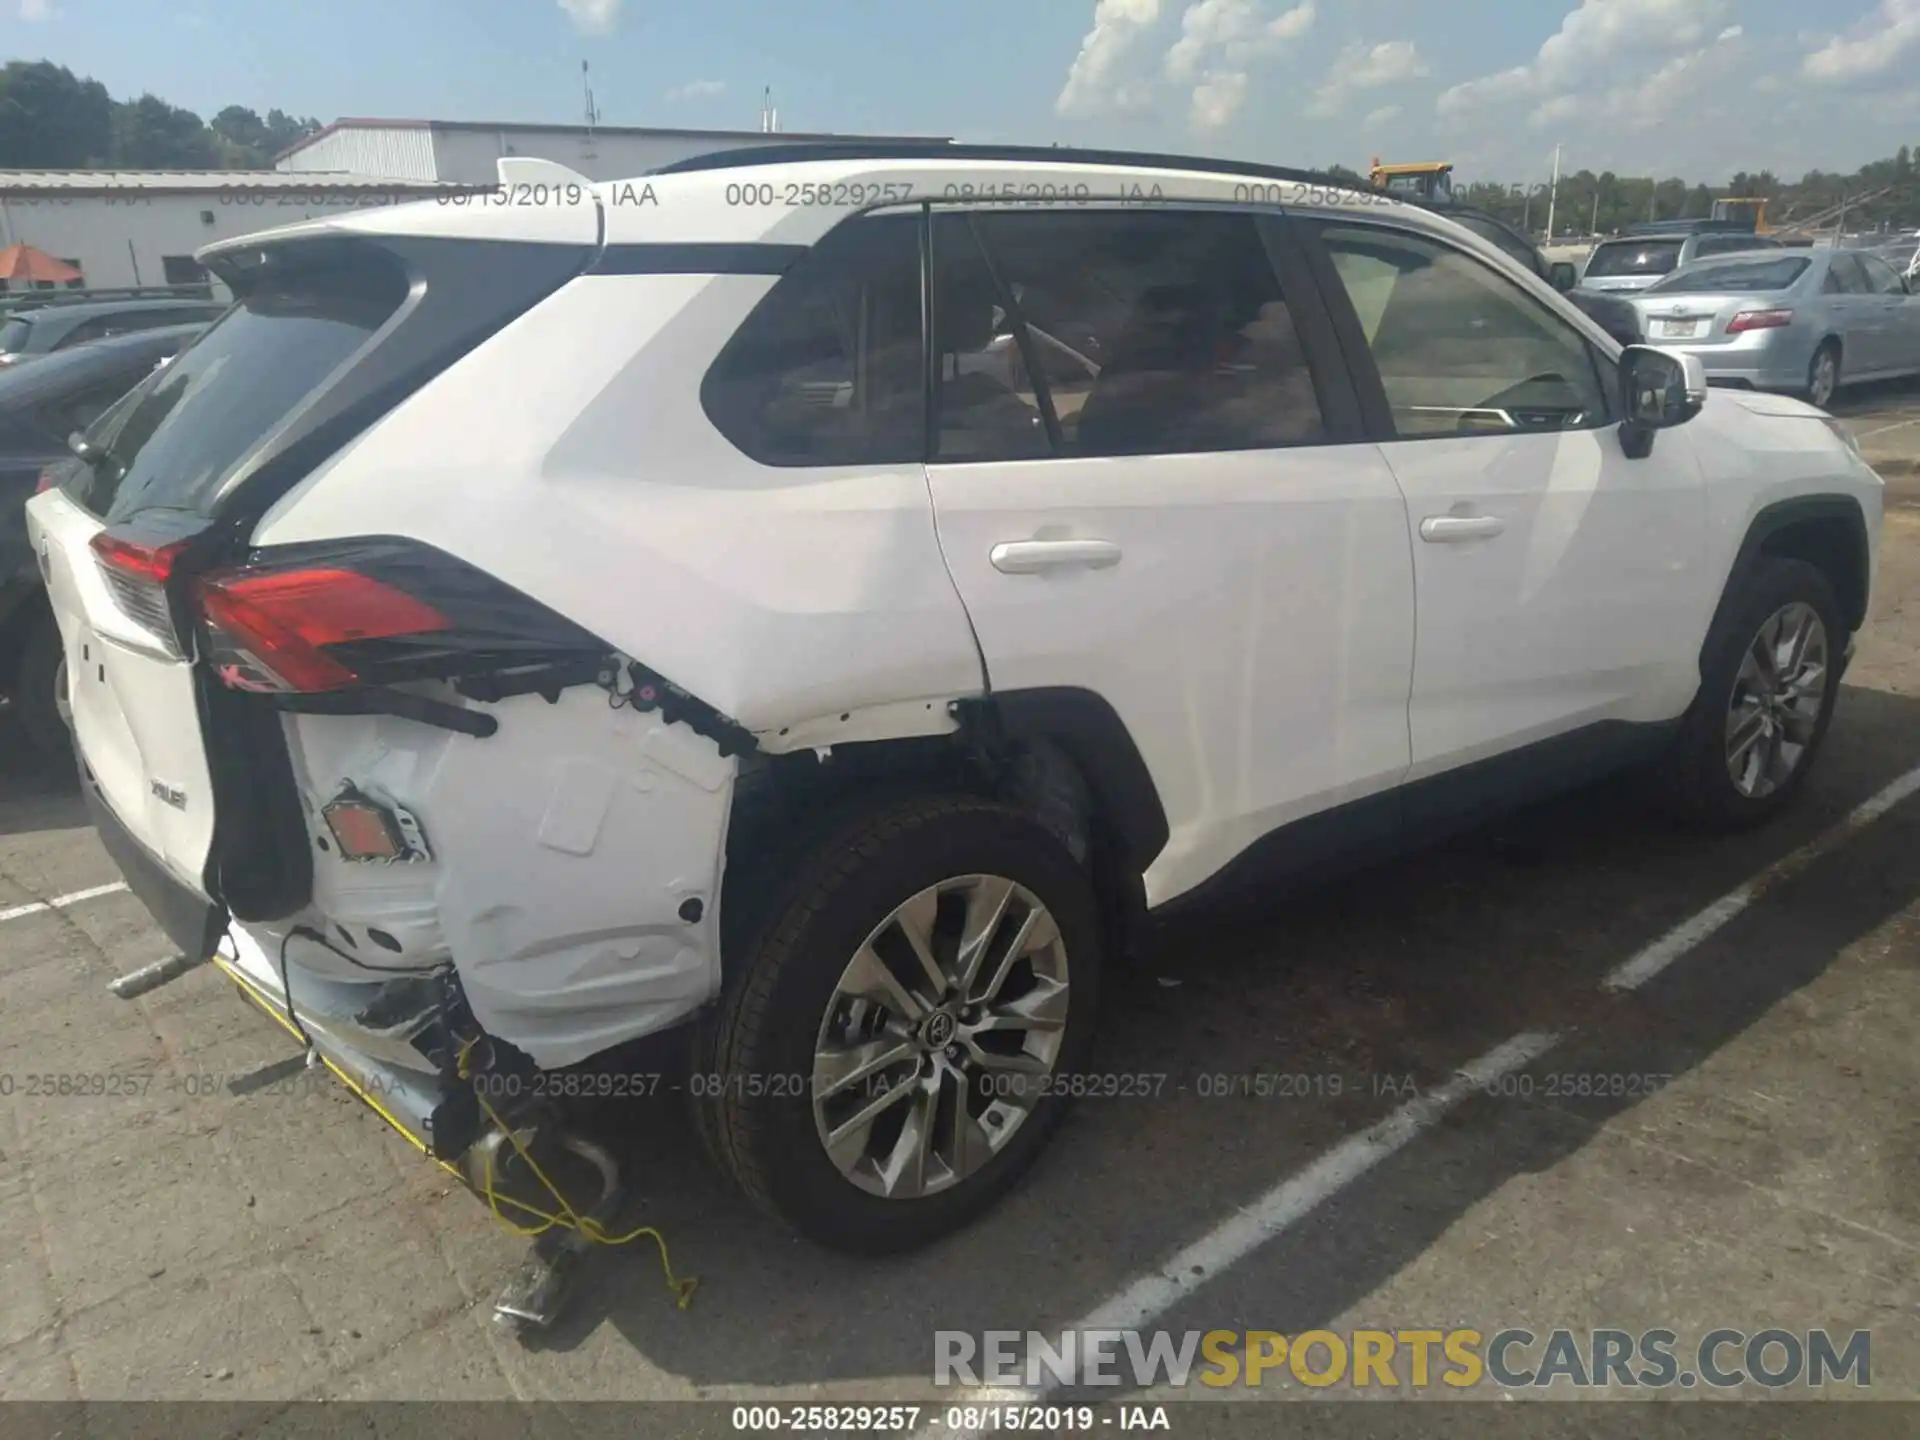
(827, 370)
(1634, 257)
(1152, 333)
(189, 425)
(1846, 275)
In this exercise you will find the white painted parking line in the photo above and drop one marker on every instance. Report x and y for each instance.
(1285, 1205)
(1883, 429)
(1631, 974)
(60, 902)
(1147, 1299)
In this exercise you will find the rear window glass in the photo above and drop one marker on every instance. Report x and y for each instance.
(187, 428)
(1742, 275)
(13, 336)
(1634, 257)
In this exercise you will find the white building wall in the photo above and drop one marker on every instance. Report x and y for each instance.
(120, 240)
(469, 156)
(397, 152)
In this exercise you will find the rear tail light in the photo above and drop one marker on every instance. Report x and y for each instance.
(1758, 320)
(309, 619)
(137, 574)
(273, 630)
(49, 477)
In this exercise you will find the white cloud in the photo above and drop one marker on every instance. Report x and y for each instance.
(1232, 30)
(1376, 118)
(592, 17)
(696, 90)
(1732, 32)
(1217, 99)
(1093, 84)
(1593, 36)
(1220, 42)
(1367, 67)
(35, 9)
(1875, 47)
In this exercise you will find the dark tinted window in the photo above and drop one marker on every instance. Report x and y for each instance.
(828, 369)
(1633, 257)
(1154, 332)
(1743, 275)
(1461, 349)
(174, 444)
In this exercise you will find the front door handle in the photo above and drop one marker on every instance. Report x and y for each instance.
(1033, 557)
(1452, 529)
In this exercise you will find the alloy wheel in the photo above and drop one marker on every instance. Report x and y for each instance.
(1778, 694)
(1820, 384)
(941, 1037)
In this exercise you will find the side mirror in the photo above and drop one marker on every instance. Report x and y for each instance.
(1563, 276)
(1658, 390)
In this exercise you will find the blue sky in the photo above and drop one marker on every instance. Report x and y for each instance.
(1698, 88)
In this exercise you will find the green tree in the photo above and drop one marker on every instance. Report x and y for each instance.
(50, 119)
(150, 134)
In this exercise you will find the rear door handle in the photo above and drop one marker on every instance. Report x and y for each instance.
(1453, 529)
(1033, 557)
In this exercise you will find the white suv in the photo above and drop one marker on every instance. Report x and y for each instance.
(821, 597)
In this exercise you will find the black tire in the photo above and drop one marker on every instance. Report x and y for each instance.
(36, 692)
(1696, 781)
(786, 970)
(1827, 350)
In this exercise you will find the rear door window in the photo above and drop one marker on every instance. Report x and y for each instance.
(188, 427)
(1152, 333)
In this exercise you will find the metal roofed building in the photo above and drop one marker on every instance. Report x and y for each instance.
(142, 227)
(466, 151)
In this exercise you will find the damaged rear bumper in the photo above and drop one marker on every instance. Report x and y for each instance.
(567, 871)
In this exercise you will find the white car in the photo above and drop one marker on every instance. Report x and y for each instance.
(823, 598)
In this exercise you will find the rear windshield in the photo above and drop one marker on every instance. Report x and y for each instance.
(185, 430)
(13, 336)
(1744, 276)
(1634, 257)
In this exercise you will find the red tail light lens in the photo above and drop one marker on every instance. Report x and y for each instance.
(270, 630)
(1758, 320)
(49, 477)
(152, 564)
(137, 574)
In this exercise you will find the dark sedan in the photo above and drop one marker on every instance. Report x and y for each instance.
(40, 406)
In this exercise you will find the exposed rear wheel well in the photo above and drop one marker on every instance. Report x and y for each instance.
(1062, 756)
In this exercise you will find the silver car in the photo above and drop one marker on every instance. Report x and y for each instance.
(1806, 321)
(1633, 263)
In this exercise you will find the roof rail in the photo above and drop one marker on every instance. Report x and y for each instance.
(51, 299)
(1059, 154)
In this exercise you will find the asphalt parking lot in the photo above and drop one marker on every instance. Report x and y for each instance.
(1761, 1167)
